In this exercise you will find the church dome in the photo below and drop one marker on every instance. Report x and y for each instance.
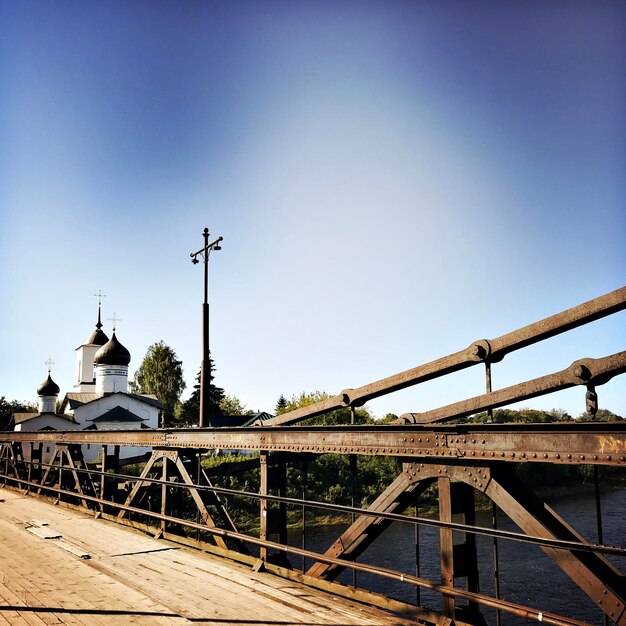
(48, 388)
(112, 353)
(98, 338)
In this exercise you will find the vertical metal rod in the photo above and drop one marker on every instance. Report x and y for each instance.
(305, 472)
(60, 495)
(164, 492)
(494, 511)
(488, 387)
(197, 477)
(596, 484)
(104, 469)
(30, 466)
(446, 544)
(5, 452)
(263, 525)
(418, 598)
(591, 402)
(352, 481)
(352, 473)
(496, 561)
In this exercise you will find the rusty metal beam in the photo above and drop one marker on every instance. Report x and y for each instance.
(596, 576)
(595, 443)
(165, 457)
(479, 351)
(582, 372)
(366, 528)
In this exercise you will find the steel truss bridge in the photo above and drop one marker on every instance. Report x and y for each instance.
(435, 447)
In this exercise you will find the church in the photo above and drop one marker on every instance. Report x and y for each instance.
(100, 399)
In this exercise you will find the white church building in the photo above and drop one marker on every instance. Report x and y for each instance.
(100, 400)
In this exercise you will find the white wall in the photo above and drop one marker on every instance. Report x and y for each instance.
(111, 378)
(84, 367)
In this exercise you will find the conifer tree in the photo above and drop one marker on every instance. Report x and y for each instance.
(281, 405)
(190, 410)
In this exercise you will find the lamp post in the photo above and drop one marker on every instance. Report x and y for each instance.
(205, 369)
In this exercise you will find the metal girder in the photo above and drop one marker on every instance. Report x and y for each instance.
(365, 529)
(593, 573)
(574, 443)
(480, 351)
(166, 457)
(582, 372)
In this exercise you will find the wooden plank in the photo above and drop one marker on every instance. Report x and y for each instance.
(134, 579)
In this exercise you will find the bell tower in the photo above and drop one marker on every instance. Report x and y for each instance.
(86, 353)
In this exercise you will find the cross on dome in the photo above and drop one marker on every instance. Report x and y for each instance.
(114, 319)
(99, 295)
(49, 363)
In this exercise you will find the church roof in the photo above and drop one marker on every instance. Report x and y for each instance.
(112, 353)
(20, 418)
(48, 387)
(118, 414)
(78, 398)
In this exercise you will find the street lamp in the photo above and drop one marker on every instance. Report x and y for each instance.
(205, 369)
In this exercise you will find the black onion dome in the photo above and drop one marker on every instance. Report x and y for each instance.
(48, 388)
(112, 353)
(98, 338)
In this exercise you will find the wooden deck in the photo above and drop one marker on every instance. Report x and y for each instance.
(130, 578)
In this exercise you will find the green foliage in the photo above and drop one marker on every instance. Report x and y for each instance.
(231, 405)
(190, 409)
(281, 405)
(603, 415)
(332, 418)
(505, 416)
(8, 407)
(161, 374)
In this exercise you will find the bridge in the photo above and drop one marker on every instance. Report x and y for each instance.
(182, 498)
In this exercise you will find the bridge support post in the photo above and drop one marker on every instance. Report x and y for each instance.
(263, 534)
(446, 544)
(273, 522)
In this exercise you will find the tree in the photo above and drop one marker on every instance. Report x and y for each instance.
(190, 410)
(281, 405)
(603, 415)
(8, 407)
(231, 405)
(533, 416)
(161, 374)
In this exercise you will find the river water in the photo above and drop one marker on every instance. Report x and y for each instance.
(527, 575)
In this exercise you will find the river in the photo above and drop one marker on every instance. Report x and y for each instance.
(527, 575)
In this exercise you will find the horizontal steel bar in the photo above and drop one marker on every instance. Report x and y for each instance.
(510, 607)
(594, 443)
(559, 544)
(582, 372)
(479, 351)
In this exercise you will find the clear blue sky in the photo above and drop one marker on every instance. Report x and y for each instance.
(393, 180)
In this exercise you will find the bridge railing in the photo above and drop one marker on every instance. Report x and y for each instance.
(183, 491)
